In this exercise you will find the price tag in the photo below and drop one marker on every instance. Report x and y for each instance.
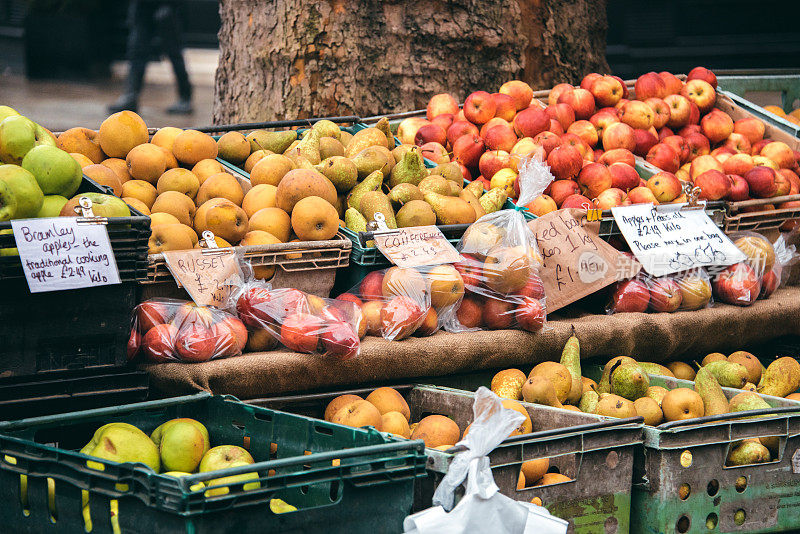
(61, 253)
(668, 239)
(415, 246)
(209, 276)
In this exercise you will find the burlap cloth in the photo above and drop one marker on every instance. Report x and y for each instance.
(653, 337)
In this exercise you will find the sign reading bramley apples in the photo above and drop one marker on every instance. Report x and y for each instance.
(61, 253)
(667, 239)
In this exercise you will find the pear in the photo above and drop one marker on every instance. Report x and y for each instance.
(376, 202)
(400, 151)
(539, 390)
(356, 222)
(588, 402)
(728, 374)
(383, 125)
(404, 193)
(655, 369)
(450, 210)
(747, 401)
(181, 444)
(493, 200)
(372, 182)
(298, 160)
(714, 400)
(277, 142)
(615, 406)
(434, 184)
(475, 187)
(364, 138)
(121, 442)
(411, 169)
(604, 385)
(455, 189)
(629, 381)
(340, 171)
(656, 393)
(371, 159)
(415, 213)
(345, 138)
(328, 146)
(450, 170)
(571, 359)
(327, 128)
(467, 196)
(781, 378)
(748, 452)
(308, 148)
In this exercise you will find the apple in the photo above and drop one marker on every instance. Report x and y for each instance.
(102, 206)
(498, 314)
(750, 127)
(738, 143)
(555, 127)
(581, 101)
(505, 107)
(717, 126)
(530, 315)
(618, 135)
(594, 178)
(680, 110)
(690, 129)
(721, 153)
(680, 146)
(569, 139)
(196, 342)
(664, 157)
(623, 176)
(151, 313)
(19, 135)
(561, 112)
(300, 332)
(630, 296)
(434, 152)
(606, 90)
(548, 140)
(713, 184)
(440, 104)
(534, 288)
(784, 186)
(694, 116)
(702, 164)
(778, 152)
(56, 172)
(738, 285)
(222, 457)
(602, 119)
(519, 91)
(665, 186)
(565, 162)
(610, 198)
(468, 149)
(637, 114)
(430, 133)
(661, 112)
(134, 344)
(589, 79)
(650, 85)
(665, 295)
(557, 91)
(769, 283)
(561, 189)
(577, 201)
(444, 121)
(500, 138)
(700, 93)
(702, 73)
(407, 129)
(339, 340)
(470, 312)
(479, 107)
(641, 195)
(698, 145)
(158, 344)
(494, 121)
(762, 181)
(492, 161)
(400, 317)
(739, 188)
(672, 83)
(618, 155)
(793, 178)
(460, 128)
(765, 161)
(530, 122)
(251, 306)
(585, 130)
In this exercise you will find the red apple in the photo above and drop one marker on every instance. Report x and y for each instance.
(561, 189)
(555, 127)
(694, 116)
(738, 285)
(479, 107)
(769, 283)
(440, 104)
(237, 329)
(349, 297)
(623, 176)
(400, 317)
(430, 133)
(610, 198)
(762, 181)
(434, 152)
(665, 186)
(594, 178)
(565, 162)
(606, 90)
(531, 121)
(491, 162)
(589, 79)
(738, 143)
(577, 201)
(637, 114)
(340, 340)
(700, 93)
(618, 155)
(758, 145)
(196, 343)
(661, 112)
(534, 288)
(470, 312)
(520, 91)
(152, 313)
(680, 146)
(618, 135)
(680, 110)
(548, 140)
(650, 85)
(371, 287)
(300, 332)
(569, 139)
(739, 188)
(158, 344)
(794, 180)
(251, 306)
(497, 314)
(780, 153)
(750, 127)
(459, 128)
(505, 107)
(585, 130)
(134, 344)
(630, 296)
(494, 121)
(444, 121)
(665, 295)
(664, 157)
(645, 140)
(530, 315)
(702, 164)
(713, 185)
(563, 113)
(642, 195)
(698, 145)
(689, 129)
(702, 73)
(557, 91)
(468, 149)
(784, 185)
(717, 126)
(500, 138)
(672, 83)
(664, 132)
(602, 119)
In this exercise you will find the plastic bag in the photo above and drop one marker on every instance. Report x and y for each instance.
(483, 508)
(500, 268)
(784, 257)
(401, 301)
(534, 177)
(173, 330)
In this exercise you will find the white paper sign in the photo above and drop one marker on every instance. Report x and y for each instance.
(666, 239)
(59, 253)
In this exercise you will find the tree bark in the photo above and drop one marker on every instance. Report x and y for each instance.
(286, 59)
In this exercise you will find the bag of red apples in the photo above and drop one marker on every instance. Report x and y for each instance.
(756, 277)
(500, 268)
(684, 291)
(173, 330)
(300, 321)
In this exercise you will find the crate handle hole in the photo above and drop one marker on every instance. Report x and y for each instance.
(713, 487)
(262, 416)
(237, 424)
(739, 517)
(23, 495)
(304, 490)
(333, 493)
(611, 525)
(683, 524)
(51, 499)
(684, 491)
(319, 429)
(686, 458)
(711, 521)
(741, 484)
(86, 511)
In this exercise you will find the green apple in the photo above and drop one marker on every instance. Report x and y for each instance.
(23, 186)
(6, 111)
(52, 206)
(182, 443)
(18, 135)
(102, 205)
(223, 456)
(8, 202)
(233, 479)
(8, 251)
(121, 442)
(57, 172)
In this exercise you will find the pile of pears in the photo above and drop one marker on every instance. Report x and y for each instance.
(371, 175)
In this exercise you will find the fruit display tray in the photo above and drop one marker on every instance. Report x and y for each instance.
(128, 236)
(596, 452)
(736, 86)
(341, 479)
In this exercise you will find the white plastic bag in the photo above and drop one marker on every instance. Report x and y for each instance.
(483, 508)
(534, 178)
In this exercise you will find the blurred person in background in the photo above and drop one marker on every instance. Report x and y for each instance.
(154, 27)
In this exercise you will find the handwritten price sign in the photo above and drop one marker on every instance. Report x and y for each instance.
(415, 246)
(61, 253)
(667, 240)
(208, 277)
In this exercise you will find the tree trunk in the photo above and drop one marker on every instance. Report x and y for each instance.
(286, 59)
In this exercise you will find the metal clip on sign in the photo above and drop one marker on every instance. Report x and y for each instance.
(85, 213)
(379, 226)
(208, 245)
(692, 193)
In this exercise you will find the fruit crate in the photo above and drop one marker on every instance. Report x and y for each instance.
(788, 85)
(353, 480)
(70, 391)
(596, 452)
(128, 236)
(746, 215)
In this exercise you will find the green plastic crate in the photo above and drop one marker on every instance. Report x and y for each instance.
(371, 488)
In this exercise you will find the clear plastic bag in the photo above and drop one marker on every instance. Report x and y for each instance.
(687, 290)
(738, 284)
(534, 177)
(785, 256)
(173, 330)
(500, 268)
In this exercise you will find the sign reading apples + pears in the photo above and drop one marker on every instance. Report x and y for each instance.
(667, 239)
(61, 253)
(208, 275)
(416, 246)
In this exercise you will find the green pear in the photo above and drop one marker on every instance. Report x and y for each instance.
(327, 128)
(714, 400)
(450, 210)
(467, 196)
(373, 158)
(652, 368)
(52, 206)
(400, 151)
(356, 222)
(415, 213)
(571, 359)
(308, 148)
(233, 480)
(629, 381)
(728, 374)
(493, 200)
(121, 442)
(277, 142)
(748, 452)
(22, 184)
(383, 125)
(373, 182)
(747, 401)
(376, 202)
(588, 402)
(409, 170)
(182, 443)
(604, 384)
(341, 171)
(8, 202)
(363, 139)
(475, 187)
(451, 171)
(434, 184)
(328, 146)
(781, 378)
(56, 172)
(455, 188)
(404, 193)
